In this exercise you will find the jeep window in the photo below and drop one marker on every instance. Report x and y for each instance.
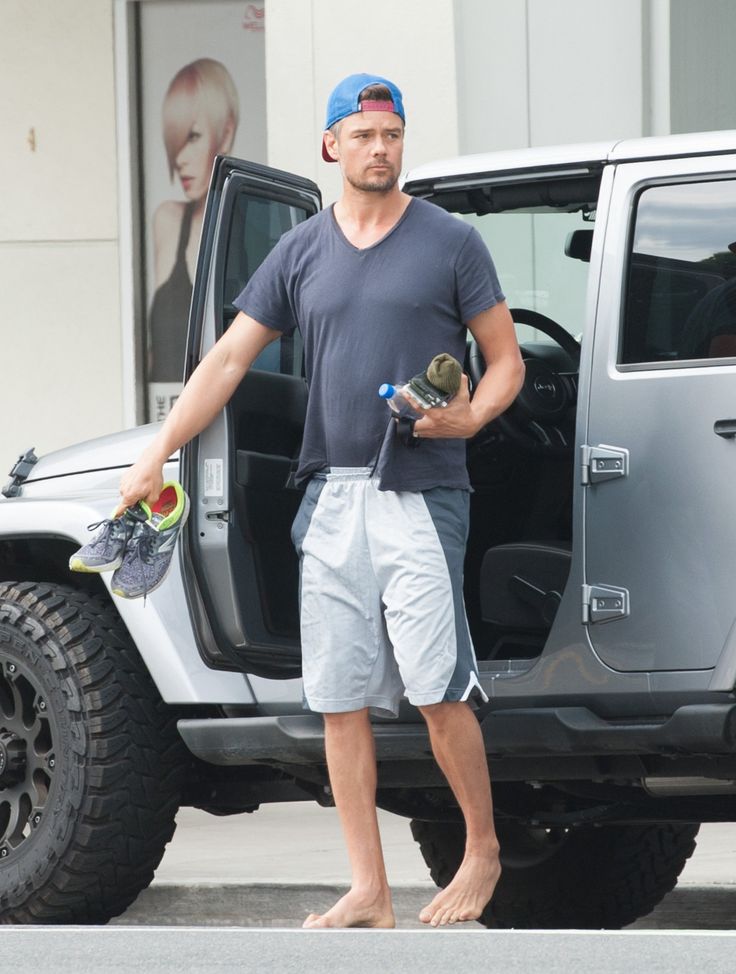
(256, 224)
(680, 303)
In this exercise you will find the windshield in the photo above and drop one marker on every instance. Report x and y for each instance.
(528, 250)
(539, 230)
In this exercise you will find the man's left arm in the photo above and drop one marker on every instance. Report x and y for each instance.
(494, 332)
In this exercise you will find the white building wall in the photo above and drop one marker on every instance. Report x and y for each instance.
(59, 291)
(313, 44)
(535, 72)
(585, 70)
(493, 74)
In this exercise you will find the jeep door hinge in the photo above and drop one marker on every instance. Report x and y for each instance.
(603, 462)
(19, 473)
(604, 603)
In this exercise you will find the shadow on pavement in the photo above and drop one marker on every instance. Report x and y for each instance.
(268, 905)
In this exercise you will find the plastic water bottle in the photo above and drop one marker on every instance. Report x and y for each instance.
(434, 387)
(401, 403)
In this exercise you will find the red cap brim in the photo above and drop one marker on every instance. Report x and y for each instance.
(325, 154)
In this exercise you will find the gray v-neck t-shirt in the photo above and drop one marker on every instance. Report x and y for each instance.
(373, 315)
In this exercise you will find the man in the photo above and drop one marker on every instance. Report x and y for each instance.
(377, 285)
(710, 328)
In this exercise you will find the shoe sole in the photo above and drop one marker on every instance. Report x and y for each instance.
(77, 565)
(182, 522)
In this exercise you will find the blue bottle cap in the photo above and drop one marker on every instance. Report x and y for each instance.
(386, 391)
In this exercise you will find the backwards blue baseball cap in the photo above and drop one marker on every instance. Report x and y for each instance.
(345, 100)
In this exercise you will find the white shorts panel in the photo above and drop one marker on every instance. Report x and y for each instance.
(378, 607)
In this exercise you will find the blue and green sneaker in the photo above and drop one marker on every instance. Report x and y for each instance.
(147, 557)
(104, 553)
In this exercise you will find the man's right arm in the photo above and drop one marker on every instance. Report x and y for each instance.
(209, 388)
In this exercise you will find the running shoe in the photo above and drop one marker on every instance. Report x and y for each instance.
(104, 553)
(147, 557)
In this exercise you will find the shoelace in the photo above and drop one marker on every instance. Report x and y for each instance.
(126, 521)
(141, 547)
(104, 523)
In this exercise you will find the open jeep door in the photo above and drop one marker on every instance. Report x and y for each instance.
(243, 573)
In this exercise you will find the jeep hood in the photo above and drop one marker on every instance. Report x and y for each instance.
(109, 452)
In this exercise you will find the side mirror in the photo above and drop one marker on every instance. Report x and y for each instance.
(578, 244)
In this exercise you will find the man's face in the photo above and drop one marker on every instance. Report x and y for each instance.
(369, 148)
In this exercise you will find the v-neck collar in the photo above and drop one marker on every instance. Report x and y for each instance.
(364, 250)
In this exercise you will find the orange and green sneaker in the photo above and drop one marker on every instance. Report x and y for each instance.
(148, 552)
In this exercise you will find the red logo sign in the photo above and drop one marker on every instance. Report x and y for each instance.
(253, 17)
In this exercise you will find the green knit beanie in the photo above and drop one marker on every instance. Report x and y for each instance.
(444, 373)
(439, 382)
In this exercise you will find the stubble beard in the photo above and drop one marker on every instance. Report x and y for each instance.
(383, 184)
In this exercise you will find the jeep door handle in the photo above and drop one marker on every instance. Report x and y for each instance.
(725, 428)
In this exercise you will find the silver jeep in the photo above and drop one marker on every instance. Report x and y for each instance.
(600, 576)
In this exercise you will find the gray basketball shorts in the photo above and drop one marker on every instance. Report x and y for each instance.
(382, 612)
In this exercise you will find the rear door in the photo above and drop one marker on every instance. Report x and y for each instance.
(659, 506)
(241, 571)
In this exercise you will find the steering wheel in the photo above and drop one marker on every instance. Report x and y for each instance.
(540, 419)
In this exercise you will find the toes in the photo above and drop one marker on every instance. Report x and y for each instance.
(440, 915)
(436, 914)
(438, 918)
(449, 915)
(426, 915)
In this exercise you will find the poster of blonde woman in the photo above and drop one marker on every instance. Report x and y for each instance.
(200, 118)
(209, 104)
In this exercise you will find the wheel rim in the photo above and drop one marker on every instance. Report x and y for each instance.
(27, 756)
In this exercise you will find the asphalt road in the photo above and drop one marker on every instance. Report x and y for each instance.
(231, 893)
(270, 869)
(164, 951)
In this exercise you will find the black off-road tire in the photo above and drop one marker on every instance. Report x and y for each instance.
(603, 878)
(91, 764)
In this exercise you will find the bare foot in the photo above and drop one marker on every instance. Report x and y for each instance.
(468, 893)
(356, 909)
